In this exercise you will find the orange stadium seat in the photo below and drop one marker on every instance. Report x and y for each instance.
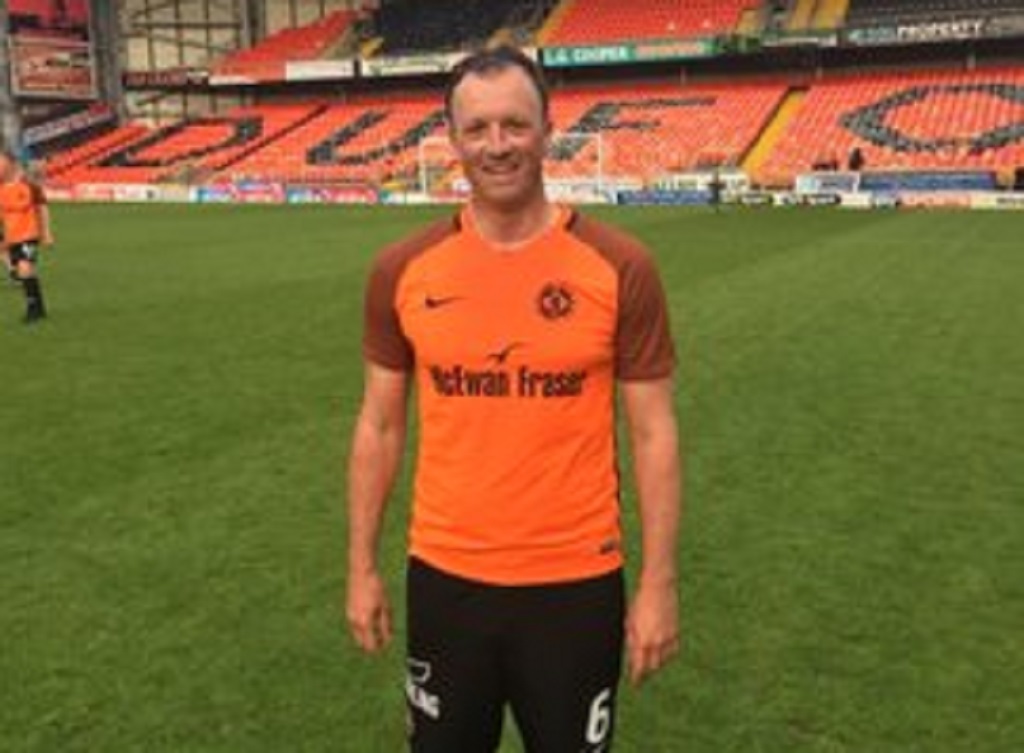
(204, 145)
(928, 120)
(593, 21)
(60, 164)
(348, 143)
(650, 130)
(301, 43)
(644, 132)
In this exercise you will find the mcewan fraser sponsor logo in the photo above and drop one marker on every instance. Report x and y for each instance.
(459, 381)
(523, 382)
(550, 383)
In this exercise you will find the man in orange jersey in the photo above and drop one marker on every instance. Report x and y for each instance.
(519, 321)
(26, 222)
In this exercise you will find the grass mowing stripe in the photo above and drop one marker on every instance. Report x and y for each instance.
(171, 534)
(790, 364)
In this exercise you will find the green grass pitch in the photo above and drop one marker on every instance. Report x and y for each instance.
(851, 391)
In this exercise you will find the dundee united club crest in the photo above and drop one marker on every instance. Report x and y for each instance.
(555, 301)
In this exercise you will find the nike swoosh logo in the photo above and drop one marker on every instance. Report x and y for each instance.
(433, 303)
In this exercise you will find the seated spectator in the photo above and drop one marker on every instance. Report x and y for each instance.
(855, 161)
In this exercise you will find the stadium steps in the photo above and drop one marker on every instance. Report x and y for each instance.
(370, 47)
(284, 132)
(343, 47)
(800, 18)
(750, 22)
(829, 14)
(554, 21)
(787, 110)
(94, 149)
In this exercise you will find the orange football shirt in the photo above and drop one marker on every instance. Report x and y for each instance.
(515, 355)
(19, 209)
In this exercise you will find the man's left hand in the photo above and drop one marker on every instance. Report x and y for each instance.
(652, 629)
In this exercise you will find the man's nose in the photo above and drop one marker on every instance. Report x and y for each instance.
(497, 138)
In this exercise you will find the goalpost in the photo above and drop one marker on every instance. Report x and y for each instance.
(577, 166)
(437, 167)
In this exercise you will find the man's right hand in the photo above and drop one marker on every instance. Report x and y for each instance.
(368, 611)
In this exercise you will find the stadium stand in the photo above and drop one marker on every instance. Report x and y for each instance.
(644, 131)
(200, 146)
(360, 141)
(774, 125)
(927, 120)
(412, 26)
(593, 21)
(92, 150)
(649, 130)
(301, 43)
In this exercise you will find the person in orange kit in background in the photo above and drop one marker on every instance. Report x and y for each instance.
(26, 221)
(520, 322)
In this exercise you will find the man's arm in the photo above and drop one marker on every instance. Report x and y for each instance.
(45, 229)
(652, 624)
(377, 446)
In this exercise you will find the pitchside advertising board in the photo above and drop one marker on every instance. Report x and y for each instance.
(617, 54)
(966, 27)
(50, 49)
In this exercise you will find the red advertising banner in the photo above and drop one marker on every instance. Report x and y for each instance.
(50, 50)
(52, 68)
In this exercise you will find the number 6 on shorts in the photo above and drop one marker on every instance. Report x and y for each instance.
(599, 721)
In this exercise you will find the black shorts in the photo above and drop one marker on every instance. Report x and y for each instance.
(27, 251)
(552, 653)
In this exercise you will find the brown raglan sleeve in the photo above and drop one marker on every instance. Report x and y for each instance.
(643, 339)
(384, 341)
